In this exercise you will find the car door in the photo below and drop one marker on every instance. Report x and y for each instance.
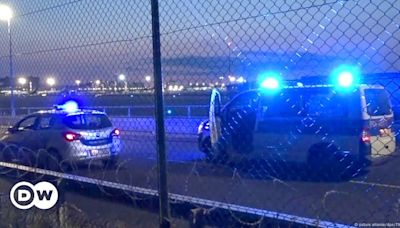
(238, 124)
(27, 131)
(277, 130)
(18, 133)
(45, 130)
(21, 141)
(215, 120)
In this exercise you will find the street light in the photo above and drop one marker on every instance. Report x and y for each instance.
(77, 82)
(50, 81)
(147, 78)
(22, 81)
(122, 78)
(6, 15)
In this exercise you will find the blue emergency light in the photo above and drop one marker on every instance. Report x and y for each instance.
(69, 106)
(345, 77)
(270, 81)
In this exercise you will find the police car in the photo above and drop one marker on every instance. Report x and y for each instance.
(315, 125)
(62, 137)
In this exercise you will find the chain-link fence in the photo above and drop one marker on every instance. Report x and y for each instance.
(276, 113)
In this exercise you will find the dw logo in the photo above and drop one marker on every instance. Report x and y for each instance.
(25, 195)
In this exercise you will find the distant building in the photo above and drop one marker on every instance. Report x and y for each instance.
(32, 84)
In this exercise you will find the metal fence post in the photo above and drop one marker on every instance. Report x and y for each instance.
(159, 111)
(12, 81)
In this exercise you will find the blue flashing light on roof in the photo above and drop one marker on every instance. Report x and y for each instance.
(69, 106)
(270, 81)
(345, 77)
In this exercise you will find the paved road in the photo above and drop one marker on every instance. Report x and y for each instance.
(371, 197)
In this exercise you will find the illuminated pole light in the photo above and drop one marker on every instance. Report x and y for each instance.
(51, 82)
(22, 81)
(232, 78)
(240, 80)
(77, 82)
(98, 82)
(121, 77)
(6, 15)
(147, 78)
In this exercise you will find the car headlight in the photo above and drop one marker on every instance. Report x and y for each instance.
(203, 126)
(206, 126)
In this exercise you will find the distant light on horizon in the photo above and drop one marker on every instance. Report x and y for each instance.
(147, 78)
(122, 77)
(50, 81)
(240, 80)
(22, 81)
(6, 13)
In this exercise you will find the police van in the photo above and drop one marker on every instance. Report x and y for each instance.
(313, 125)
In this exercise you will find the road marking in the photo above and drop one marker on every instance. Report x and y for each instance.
(182, 198)
(376, 184)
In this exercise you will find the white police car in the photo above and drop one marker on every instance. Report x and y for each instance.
(62, 137)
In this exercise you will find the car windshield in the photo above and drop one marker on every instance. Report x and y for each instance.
(377, 101)
(87, 121)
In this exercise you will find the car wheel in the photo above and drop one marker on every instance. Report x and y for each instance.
(55, 162)
(220, 157)
(205, 146)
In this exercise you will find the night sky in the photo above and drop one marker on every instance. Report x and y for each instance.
(201, 40)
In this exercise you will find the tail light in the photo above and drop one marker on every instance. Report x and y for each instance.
(365, 136)
(71, 136)
(116, 132)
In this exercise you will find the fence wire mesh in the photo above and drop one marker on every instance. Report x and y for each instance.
(277, 113)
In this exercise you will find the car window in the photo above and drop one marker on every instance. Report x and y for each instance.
(285, 104)
(87, 121)
(46, 122)
(27, 123)
(245, 100)
(326, 105)
(377, 101)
